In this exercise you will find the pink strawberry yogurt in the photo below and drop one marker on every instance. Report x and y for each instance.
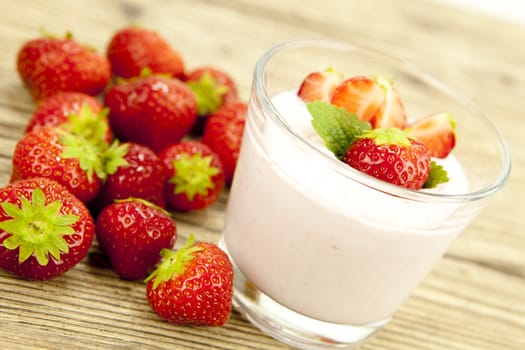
(316, 237)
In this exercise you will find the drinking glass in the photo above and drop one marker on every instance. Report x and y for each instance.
(325, 254)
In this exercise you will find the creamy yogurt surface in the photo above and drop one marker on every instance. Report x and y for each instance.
(321, 244)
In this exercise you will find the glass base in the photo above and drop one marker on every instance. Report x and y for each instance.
(290, 327)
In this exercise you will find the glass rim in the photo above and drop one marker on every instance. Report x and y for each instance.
(259, 84)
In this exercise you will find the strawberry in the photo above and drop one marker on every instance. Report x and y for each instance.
(44, 229)
(132, 232)
(436, 132)
(320, 86)
(213, 88)
(48, 65)
(66, 158)
(390, 155)
(155, 111)
(132, 49)
(192, 286)
(360, 95)
(142, 177)
(223, 134)
(196, 176)
(391, 112)
(80, 113)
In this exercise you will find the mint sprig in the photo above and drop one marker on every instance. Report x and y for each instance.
(438, 175)
(336, 126)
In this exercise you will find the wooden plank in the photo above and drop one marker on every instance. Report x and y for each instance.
(475, 296)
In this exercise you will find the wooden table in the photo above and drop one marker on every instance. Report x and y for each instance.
(473, 299)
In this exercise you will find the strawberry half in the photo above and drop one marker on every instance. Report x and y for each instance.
(192, 286)
(360, 95)
(132, 232)
(389, 155)
(196, 176)
(436, 132)
(319, 86)
(44, 229)
(391, 112)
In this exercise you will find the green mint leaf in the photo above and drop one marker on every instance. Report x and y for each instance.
(336, 126)
(438, 175)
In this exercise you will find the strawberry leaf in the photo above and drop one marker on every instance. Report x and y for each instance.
(336, 126)
(437, 175)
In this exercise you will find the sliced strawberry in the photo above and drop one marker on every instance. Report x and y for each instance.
(391, 113)
(360, 95)
(437, 132)
(320, 86)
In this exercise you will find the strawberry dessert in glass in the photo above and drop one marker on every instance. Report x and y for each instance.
(356, 172)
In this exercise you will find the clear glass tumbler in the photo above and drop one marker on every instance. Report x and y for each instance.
(325, 254)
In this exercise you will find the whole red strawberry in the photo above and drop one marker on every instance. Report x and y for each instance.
(132, 232)
(195, 176)
(132, 49)
(154, 111)
(213, 88)
(56, 154)
(44, 229)
(142, 177)
(192, 286)
(75, 111)
(48, 65)
(390, 155)
(223, 134)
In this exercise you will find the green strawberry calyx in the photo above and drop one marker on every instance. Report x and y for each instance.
(87, 153)
(113, 158)
(209, 94)
(94, 157)
(193, 175)
(88, 124)
(173, 262)
(388, 136)
(37, 229)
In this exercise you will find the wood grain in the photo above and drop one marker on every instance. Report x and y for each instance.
(473, 299)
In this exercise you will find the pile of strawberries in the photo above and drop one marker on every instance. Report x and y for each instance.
(363, 121)
(117, 140)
